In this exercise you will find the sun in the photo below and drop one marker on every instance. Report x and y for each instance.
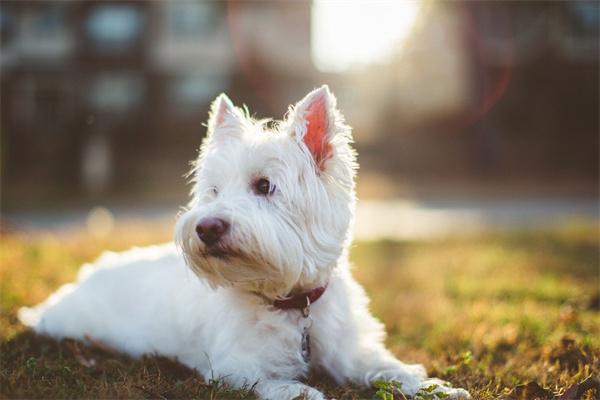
(345, 33)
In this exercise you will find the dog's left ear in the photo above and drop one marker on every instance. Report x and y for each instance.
(224, 117)
(315, 122)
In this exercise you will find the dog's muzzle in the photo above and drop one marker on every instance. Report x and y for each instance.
(211, 230)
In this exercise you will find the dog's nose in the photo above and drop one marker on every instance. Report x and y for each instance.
(210, 230)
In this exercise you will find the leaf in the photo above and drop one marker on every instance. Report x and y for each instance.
(381, 385)
(397, 384)
(429, 388)
(31, 363)
(424, 396)
(529, 391)
(384, 395)
(389, 390)
(466, 356)
(577, 390)
(450, 370)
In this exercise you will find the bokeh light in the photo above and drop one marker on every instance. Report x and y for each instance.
(345, 33)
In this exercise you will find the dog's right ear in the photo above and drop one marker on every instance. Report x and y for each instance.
(315, 122)
(224, 117)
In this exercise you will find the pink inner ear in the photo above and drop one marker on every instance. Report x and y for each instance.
(222, 113)
(316, 131)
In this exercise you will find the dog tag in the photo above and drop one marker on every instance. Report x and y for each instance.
(305, 345)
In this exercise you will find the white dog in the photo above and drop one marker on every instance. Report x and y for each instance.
(267, 232)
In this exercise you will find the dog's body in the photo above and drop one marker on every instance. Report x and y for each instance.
(270, 215)
(157, 305)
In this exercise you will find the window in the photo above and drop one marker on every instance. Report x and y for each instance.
(115, 26)
(188, 92)
(7, 24)
(189, 19)
(116, 92)
(48, 21)
(586, 14)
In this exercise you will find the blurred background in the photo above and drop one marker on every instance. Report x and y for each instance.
(477, 129)
(467, 115)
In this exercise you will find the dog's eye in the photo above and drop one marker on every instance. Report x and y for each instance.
(263, 187)
(214, 191)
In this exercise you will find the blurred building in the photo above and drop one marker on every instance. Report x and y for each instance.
(108, 97)
(486, 89)
(101, 95)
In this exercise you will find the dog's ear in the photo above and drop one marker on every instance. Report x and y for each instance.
(223, 114)
(315, 121)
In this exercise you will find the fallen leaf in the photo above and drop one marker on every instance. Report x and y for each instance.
(529, 391)
(577, 390)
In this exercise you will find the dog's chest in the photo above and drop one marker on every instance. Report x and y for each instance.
(243, 329)
(282, 344)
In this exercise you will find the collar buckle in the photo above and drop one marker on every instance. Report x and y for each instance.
(306, 309)
(301, 301)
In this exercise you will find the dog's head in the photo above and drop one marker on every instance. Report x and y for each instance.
(272, 207)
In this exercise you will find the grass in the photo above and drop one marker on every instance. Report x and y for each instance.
(511, 315)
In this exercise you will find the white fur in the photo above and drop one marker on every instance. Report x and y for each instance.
(150, 300)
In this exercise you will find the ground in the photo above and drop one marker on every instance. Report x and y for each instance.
(510, 315)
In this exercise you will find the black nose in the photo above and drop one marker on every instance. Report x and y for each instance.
(210, 230)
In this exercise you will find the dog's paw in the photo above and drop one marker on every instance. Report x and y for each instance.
(308, 393)
(417, 370)
(313, 394)
(434, 386)
(275, 390)
(301, 392)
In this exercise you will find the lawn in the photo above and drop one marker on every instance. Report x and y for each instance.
(511, 315)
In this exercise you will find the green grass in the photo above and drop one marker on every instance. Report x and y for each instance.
(490, 313)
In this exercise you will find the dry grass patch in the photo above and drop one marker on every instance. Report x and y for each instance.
(503, 315)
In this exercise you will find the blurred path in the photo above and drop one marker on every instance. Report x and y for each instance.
(427, 219)
(396, 219)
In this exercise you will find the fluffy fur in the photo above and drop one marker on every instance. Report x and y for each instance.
(211, 306)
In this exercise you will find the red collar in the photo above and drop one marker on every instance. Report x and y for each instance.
(300, 300)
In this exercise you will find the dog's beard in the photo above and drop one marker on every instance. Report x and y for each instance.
(238, 261)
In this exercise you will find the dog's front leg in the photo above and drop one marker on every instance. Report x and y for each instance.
(368, 362)
(365, 364)
(350, 346)
(262, 359)
(268, 384)
(270, 378)
(379, 365)
(286, 389)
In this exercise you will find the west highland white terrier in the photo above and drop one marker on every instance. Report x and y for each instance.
(267, 233)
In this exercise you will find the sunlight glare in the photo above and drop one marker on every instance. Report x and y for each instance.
(350, 32)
